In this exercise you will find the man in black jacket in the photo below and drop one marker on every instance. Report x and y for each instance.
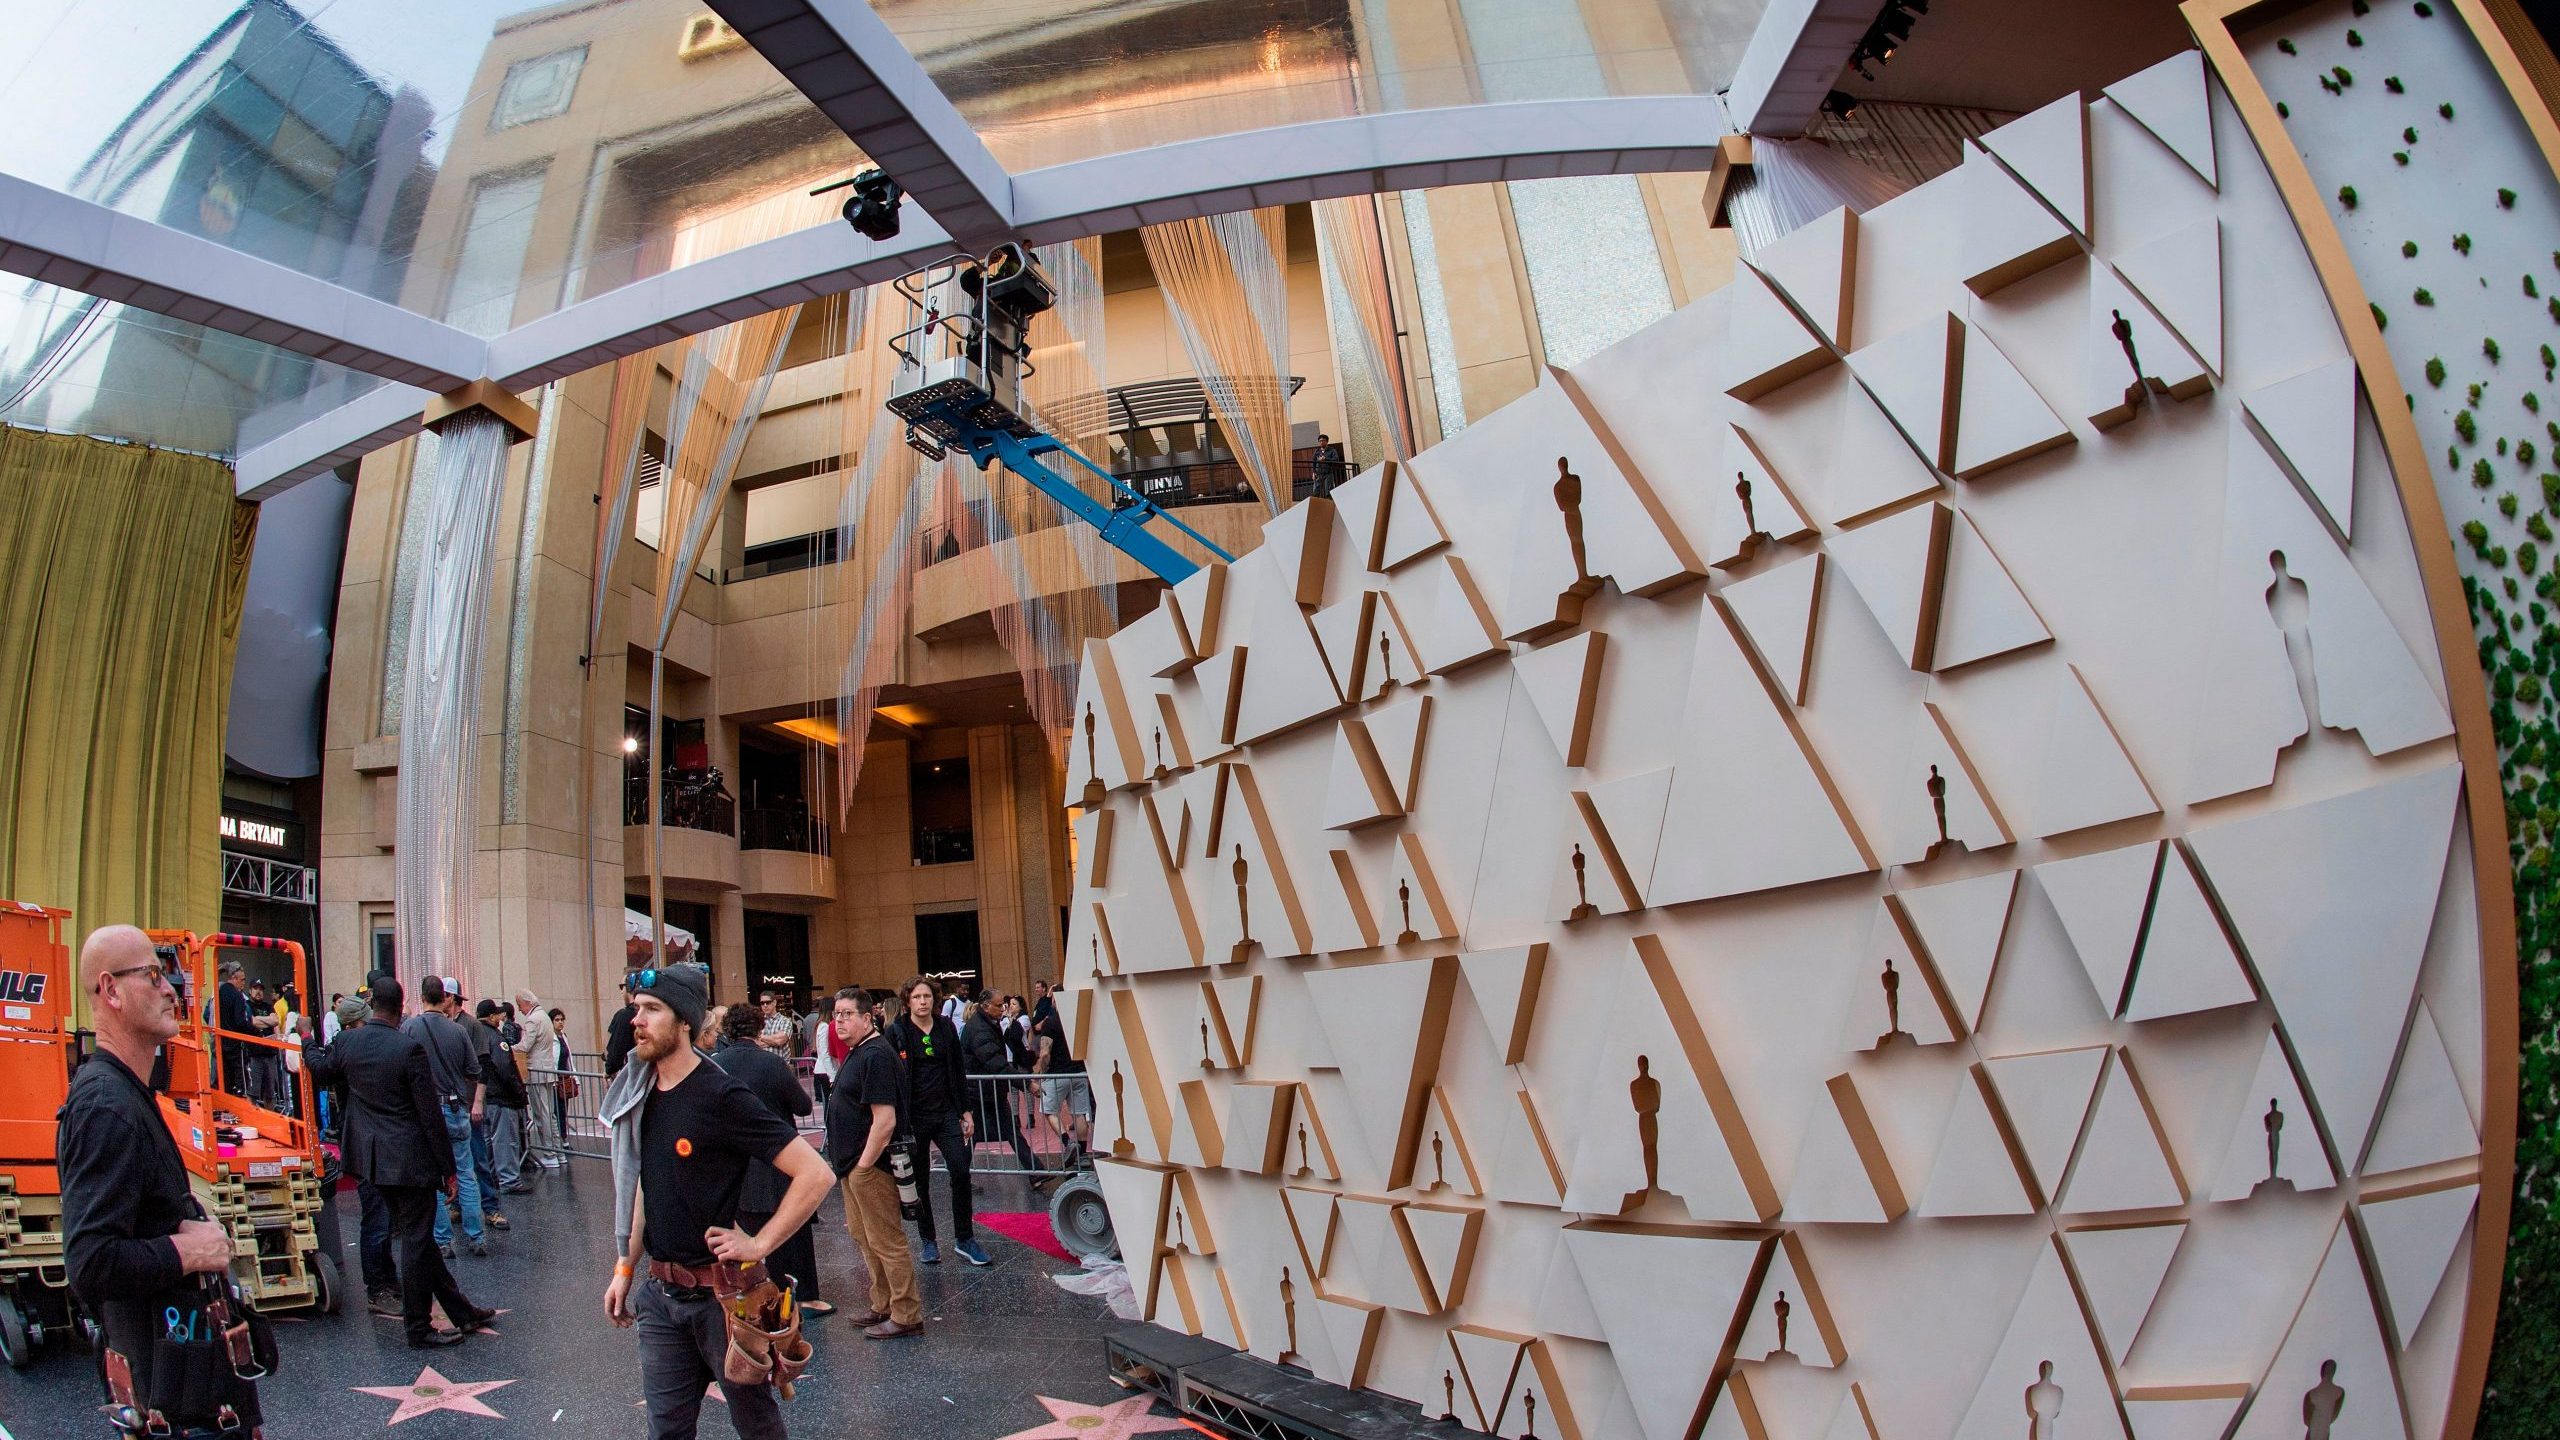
(395, 1140)
(938, 1116)
(771, 1078)
(134, 1239)
(508, 1097)
(983, 1042)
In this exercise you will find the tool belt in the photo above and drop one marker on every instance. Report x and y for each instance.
(204, 1366)
(763, 1319)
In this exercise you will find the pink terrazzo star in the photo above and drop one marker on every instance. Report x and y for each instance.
(431, 1392)
(1115, 1421)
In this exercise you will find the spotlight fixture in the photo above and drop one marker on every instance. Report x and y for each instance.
(873, 210)
(1840, 105)
(1886, 35)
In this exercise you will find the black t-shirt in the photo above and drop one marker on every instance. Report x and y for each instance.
(1062, 1060)
(695, 1144)
(928, 1052)
(871, 1075)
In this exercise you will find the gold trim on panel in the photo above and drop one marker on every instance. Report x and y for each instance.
(486, 395)
(2467, 690)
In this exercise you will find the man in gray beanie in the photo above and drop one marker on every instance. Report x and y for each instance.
(684, 1134)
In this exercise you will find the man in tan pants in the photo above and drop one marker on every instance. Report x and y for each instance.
(862, 1123)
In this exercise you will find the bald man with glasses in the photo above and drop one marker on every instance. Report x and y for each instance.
(134, 1238)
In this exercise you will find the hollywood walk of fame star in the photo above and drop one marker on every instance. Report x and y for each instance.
(1115, 1421)
(431, 1392)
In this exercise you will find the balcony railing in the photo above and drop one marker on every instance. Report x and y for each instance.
(783, 827)
(940, 846)
(695, 800)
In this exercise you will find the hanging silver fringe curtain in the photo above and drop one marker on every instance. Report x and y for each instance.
(436, 900)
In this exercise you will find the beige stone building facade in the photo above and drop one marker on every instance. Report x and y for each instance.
(570, 174)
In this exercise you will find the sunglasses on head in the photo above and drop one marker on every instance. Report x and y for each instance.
(643, 979)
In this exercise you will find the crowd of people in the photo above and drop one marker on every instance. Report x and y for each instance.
(444, 1107)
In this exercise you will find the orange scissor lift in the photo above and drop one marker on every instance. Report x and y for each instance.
(256, 1171)
(36, 1046)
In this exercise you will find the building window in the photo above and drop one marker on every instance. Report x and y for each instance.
(539, 88)
(938, 805)
(490, 267)
(381, 942)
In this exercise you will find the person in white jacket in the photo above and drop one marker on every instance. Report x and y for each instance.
(534, 1048)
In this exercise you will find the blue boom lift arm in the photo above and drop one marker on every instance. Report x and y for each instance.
(968, 398)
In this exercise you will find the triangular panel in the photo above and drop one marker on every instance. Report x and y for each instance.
(1778, 609)
(2310, 420)
(2102, 898)
(2120, 1268)
(2187, 960)
(2125, 1162)
(2171, 102)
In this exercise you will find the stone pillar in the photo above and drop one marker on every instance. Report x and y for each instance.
(995, 829)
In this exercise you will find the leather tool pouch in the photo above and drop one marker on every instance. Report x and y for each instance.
(763, 1344)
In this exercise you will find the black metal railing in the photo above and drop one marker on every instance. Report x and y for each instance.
(695, 800)
(783, 827)
(937, 845)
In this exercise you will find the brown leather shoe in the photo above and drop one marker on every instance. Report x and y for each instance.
(865, 1320)
(891, 1330)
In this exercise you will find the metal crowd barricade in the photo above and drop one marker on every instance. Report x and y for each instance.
(1014, 1137)
(1005, 1108)
(581, 1134)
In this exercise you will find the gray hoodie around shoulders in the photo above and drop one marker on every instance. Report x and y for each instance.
(625, 1099)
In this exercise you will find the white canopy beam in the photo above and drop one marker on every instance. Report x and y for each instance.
(80, 245)
(1794, 60)
(1522, 140)
(845, 59)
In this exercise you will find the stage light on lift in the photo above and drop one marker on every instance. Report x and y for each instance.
(873, 209)
(1840, 105)
(1011, 283)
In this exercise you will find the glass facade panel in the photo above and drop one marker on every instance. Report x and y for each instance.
(351, 141)
(75, 363)
(1045, 86)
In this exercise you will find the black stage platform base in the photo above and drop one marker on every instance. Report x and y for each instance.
(1238, 1395)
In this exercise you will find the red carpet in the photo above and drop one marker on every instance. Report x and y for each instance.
(1026, 1228)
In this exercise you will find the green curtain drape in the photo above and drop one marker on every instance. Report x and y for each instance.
(122, 571)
